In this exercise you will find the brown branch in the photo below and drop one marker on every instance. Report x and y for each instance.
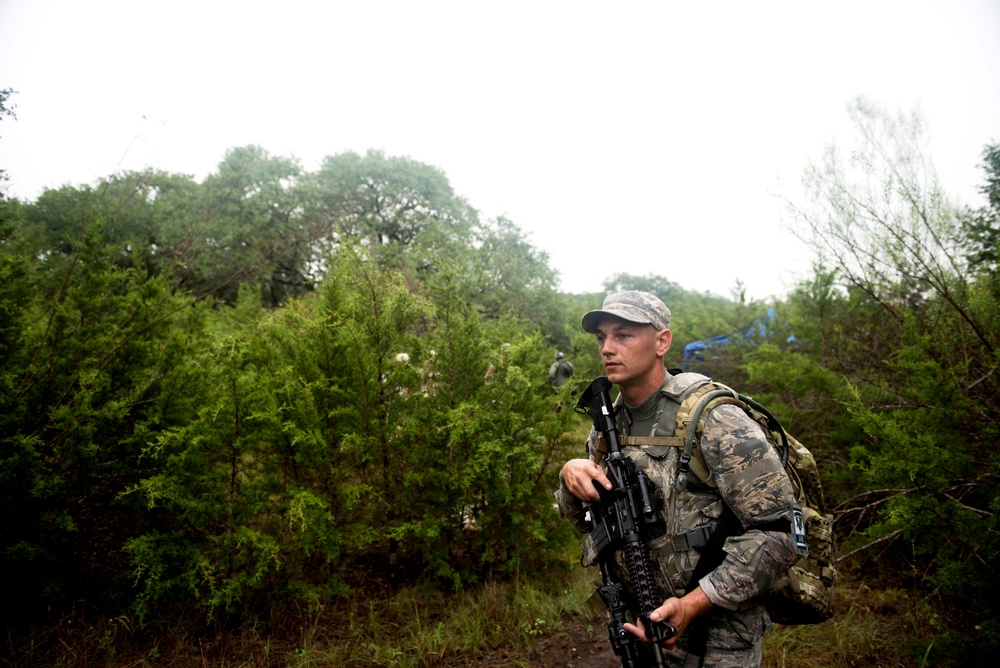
(868, 545)
(899, 490)
(981, 513)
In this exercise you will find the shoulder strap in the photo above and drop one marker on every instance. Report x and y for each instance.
(679, 386)
(683, 383)
(690, 423)
(689, 392)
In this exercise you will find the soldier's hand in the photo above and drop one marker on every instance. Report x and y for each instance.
(668, 612)
(580, 475)
(679, 612)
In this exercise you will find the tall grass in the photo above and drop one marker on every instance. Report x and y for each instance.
(888, 628)
(497, 623)
(414, 627)
(421, 627)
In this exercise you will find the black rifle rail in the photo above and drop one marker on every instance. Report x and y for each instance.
(624, 520)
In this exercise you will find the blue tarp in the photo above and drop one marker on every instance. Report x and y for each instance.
(695, 351)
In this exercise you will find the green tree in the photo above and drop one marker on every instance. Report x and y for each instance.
(147, 219)
(404, 211)
(371, 395)
(239, 227)
(507, 276)
(6, 109)
(918, 343)
(360, 427)
(981, 227)
(88, 375)
(252, 228)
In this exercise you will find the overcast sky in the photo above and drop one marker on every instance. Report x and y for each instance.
(639, 137)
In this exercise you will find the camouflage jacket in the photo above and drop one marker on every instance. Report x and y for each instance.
(746, 475)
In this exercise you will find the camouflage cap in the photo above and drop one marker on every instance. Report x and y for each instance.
(631, 305)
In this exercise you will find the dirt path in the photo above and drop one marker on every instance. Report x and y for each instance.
(575, 647)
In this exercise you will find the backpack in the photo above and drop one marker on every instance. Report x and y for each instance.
(804, 594)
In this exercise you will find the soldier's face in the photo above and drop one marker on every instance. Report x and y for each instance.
(630, 352)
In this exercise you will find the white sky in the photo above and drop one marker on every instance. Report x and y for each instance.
(640, 137)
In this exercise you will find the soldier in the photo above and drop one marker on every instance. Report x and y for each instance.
(633, 335)
(560, 371)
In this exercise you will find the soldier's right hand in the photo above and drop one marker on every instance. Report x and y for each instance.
(580, 475)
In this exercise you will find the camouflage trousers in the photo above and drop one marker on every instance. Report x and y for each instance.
(735, 640)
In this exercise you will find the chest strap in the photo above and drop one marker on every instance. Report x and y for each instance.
(664, 441)
(667, 441)
(671, 441)
(694, 464)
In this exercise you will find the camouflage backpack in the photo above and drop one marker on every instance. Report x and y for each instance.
(804, 595)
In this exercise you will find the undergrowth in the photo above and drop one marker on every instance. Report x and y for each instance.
(876, 624)
(887, 628)
(419, 626)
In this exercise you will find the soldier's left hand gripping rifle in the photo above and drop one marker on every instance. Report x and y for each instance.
(625, 519)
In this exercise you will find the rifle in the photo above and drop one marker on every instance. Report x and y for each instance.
(624, 519)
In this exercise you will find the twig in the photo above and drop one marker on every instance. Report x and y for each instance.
(865, 547)
(981, 513)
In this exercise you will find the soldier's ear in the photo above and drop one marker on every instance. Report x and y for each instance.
(663, 339)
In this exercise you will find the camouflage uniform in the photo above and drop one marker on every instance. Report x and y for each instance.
(748, 478)
(560, 372)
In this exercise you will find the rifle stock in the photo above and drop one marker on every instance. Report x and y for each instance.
(624, 519)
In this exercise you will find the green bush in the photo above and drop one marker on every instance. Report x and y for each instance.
(363, 429)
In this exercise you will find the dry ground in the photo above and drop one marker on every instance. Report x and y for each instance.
(576, 646)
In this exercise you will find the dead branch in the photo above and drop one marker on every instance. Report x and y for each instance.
(868, 545)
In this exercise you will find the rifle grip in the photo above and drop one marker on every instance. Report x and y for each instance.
(657, 632)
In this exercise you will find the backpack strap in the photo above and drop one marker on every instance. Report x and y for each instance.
(683, 391)
(674, 420)
(691, 422)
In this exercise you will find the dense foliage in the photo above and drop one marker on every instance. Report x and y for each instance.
(914, 331)
(197, 409)
(276, 386)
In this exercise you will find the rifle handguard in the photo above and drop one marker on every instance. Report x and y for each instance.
(624, 519)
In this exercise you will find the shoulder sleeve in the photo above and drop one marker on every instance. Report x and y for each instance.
(754, 485)
(745, 467)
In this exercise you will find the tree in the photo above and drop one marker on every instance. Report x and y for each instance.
(917, 340)
(883, 221)
(404, 211)
(149, 220)
(981, 227)
(359, 427)
(241, 226)
(383, 404)
(6, 109)
(508, 276)
(251, 229)
(90, 372)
